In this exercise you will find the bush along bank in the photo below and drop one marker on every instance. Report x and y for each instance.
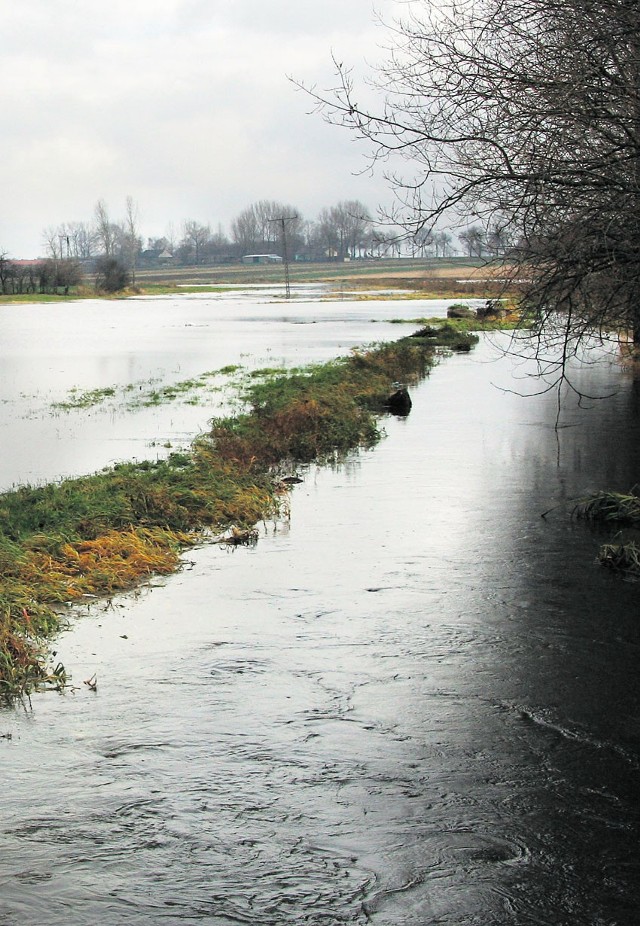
(108, 532)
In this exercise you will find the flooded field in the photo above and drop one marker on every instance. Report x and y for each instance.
(416, 702)
(54, 355)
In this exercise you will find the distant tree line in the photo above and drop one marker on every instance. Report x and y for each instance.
(343, 231)
(340, 232)
(43, 276)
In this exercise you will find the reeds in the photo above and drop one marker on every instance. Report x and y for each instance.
(611, 508)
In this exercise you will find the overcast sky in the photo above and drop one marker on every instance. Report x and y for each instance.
(185, 105)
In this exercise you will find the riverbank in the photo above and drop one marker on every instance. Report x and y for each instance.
(96, 535)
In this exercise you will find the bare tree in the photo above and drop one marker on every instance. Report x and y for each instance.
(257, 227)
(327, 234)
(107, 233)
(131, 236)
(245, 231)
(524, 114)
(67, 273)
(6, 274)
(442, 244)
(170, 238)
(70, 239)
(268, 214)
(52, 240)
(422, 241)
(84, 238)
(194, 241)
(354, 224)
(473, 240)
(345, 228)
(497, 239)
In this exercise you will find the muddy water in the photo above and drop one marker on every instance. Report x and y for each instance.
(415, 703)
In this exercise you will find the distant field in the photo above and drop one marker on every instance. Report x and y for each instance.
(450, 277)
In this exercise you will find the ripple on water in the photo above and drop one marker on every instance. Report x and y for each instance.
(455, 879)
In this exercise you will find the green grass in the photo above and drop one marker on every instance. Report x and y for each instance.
(189, 390)
(86, 399)
(449, 335)
(17, 298)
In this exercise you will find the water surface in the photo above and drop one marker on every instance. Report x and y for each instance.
(414, 703)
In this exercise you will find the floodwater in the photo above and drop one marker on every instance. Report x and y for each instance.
(415, 703)
(136, 346)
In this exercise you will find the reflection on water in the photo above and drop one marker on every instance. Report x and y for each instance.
(417, 703)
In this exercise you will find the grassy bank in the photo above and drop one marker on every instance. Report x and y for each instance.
(104, 533)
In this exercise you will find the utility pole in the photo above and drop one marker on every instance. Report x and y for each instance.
(282, 221)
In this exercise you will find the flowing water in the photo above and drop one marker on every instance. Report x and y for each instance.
(414, 703)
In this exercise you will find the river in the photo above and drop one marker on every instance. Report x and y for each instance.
(416, 702)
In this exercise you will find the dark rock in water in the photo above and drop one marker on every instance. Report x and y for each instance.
(460, 311)
(399, 402)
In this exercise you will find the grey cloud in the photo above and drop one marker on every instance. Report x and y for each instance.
(183, 104)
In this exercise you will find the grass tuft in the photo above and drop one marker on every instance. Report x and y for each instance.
(610, 508)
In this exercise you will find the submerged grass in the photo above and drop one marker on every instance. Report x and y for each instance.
(99, 534)
(611, 508)
(141, 394)
(85, 399)
(621, 557)
(615, 509)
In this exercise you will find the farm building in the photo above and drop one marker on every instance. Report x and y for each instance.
(261, 259)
